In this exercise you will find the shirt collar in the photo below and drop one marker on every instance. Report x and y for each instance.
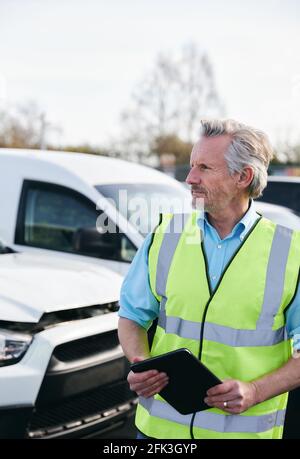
(242, 227)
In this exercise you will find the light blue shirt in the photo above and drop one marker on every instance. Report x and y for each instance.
(138, 303)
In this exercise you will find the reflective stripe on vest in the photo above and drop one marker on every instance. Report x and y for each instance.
(167, 249)
(233, 423)
(275, 276)
(219, 333)
(263, 335)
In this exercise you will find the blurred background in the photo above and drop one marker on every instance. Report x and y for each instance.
(132, 78)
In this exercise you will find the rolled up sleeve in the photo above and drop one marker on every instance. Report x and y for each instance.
(137, 301)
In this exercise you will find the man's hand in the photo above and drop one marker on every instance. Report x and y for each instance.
(237, 395)
(147, 383)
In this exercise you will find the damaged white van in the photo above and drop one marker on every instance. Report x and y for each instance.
(62, 370)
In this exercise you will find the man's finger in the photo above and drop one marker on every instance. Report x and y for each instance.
(150, 379)
(155, 389)
(134, 378)
(231, 406)
(221, 398)
(223, 388)
(146, 385)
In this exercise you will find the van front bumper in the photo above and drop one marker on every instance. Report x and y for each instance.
(72, 383)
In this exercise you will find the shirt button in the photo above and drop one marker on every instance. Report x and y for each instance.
(219, 246)
(214, 277)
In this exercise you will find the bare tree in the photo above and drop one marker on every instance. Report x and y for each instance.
(171, 100)
(172, 145)
(287, 152)
(24, 126)
(198, 94)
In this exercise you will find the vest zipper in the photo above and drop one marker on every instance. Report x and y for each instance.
(211, 292)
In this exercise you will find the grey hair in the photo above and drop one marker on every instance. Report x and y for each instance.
(249, 147)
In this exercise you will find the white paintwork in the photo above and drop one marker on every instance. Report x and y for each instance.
(283, 178)
(278, 214)
(91, 169)
(20, 383)
(31, 285)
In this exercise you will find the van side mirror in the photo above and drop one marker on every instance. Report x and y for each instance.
(88, 241)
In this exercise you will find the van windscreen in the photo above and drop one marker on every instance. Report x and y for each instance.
(142, 203)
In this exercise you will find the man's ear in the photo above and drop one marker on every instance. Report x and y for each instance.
(245, 177)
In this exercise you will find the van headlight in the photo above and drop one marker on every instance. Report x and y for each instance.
(13, 346)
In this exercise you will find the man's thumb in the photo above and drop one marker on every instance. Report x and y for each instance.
(137, 359)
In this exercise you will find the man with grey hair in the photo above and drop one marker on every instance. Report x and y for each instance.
(228, 297)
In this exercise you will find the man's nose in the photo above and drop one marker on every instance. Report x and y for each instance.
(193, 177)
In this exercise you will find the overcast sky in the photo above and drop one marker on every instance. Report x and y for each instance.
(79, 60)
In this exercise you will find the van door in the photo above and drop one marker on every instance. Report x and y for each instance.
(57, 218)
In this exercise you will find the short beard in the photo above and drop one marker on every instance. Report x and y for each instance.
(198, 204)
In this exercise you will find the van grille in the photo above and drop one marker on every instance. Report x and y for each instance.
(81, 406)
(86, 347)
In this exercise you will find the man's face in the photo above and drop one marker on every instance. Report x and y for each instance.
(209, 176)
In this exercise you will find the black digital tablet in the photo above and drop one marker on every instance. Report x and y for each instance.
(189, 379)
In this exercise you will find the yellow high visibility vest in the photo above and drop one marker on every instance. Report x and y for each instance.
(238, 330)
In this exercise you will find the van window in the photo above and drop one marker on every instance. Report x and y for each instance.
(141, 203)
(52, 216)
